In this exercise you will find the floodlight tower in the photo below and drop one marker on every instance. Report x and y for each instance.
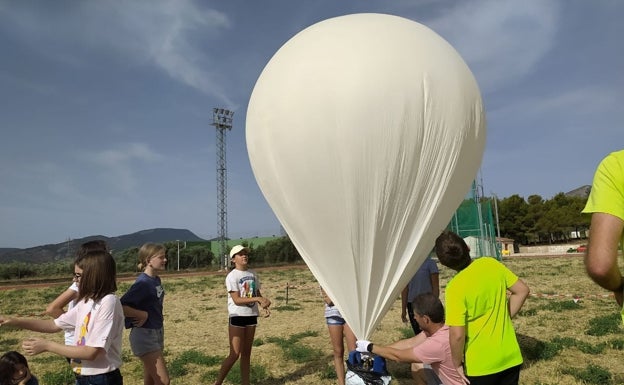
(222, 120)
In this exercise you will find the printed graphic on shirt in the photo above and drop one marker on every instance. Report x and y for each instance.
(80, 341)
(247, 288)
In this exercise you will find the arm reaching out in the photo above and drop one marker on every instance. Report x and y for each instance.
(34, 346)
(36, 325)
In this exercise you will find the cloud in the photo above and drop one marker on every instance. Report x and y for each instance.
(502, 41)
(82, 178)
(166, 31)
(43, 185)
(117, 165)
(579, 104)
(171, 35)
(130, 151)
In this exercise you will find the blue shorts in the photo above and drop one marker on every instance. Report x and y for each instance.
(143, 341)
(335, 320)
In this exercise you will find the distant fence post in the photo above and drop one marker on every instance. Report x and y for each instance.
(287, 292)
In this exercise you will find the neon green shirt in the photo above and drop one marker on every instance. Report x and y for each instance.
(476, 298)
(607, 193)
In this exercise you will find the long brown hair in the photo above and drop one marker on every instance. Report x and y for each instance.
(99, 276)
(8, 366)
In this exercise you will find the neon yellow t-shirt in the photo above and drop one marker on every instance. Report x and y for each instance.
(476, 298)
(607, 193)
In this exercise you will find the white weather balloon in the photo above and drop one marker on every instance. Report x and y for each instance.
(364, 133)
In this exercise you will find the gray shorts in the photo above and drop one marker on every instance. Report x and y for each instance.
(432, 377)
(143, 341)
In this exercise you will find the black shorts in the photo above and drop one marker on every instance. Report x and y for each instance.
(509, 376)
(242, 322)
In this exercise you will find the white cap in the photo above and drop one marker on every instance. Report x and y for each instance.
(237, 249)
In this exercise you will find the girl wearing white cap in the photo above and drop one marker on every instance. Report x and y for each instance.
(244, 295)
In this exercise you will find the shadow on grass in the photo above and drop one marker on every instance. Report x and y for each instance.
(398, 371)
(312, 367)
(534, 350)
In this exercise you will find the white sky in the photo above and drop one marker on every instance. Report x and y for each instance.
(106, 105)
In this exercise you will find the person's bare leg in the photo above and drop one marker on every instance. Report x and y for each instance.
(236, 336)
(154, 369)
(350, 337)
(336, 337)
(245, 355)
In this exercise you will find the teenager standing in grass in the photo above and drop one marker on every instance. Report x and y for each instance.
(478, 313)
(143, 308)
(97, 321)
(244, 295)
(68, 297)
(338, 332)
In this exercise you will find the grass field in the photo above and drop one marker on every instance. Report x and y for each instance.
(569, 329)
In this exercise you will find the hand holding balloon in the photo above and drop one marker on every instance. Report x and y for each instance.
(362, 346)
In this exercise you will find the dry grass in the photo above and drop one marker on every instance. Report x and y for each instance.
(292, 346)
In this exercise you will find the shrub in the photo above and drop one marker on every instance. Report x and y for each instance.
(177, 367)
(604, 325)
(258, 374)
(541, 350)
(592, 374)
(616, 344)
(63, 377)
(527, 312)
(295, 350)
(301, 353)
(406, 333)
(287, 308)
(329, 373)
(562, 305)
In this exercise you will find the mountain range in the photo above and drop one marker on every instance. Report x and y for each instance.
(67, 249)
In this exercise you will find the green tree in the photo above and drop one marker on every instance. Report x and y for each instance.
(512, 213)
(127, 260)
(280, 250)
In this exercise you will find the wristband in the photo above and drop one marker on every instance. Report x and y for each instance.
(370, 347)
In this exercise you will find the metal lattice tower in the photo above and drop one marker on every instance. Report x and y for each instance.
(222, 120)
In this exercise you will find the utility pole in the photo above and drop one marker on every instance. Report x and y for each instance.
(178, 242)
(222, 120)
(496, 212)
